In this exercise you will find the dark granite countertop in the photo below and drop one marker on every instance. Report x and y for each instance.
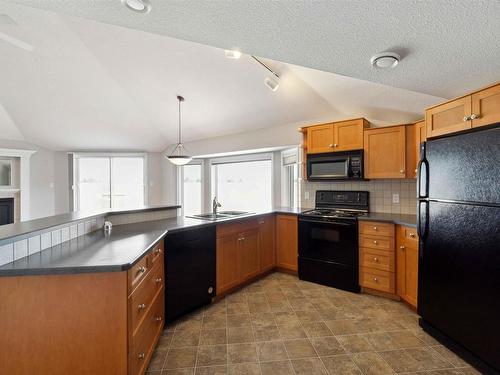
(96, 252)
(401, 219)
(30, 226)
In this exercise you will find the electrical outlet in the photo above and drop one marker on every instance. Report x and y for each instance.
(306, 195)
(395, 198)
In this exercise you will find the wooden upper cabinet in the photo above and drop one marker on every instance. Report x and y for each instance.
(320, 138)
(385, 152)
(449, 117)
(486, 107)
(348, 135)
(266, 243)
(338, 136)
(407, 264)
(287, 242)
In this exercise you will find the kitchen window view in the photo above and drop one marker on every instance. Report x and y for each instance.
(103, 182)
(192, 189)
(245, 186)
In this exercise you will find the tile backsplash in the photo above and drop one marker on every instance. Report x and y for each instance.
(381, 193)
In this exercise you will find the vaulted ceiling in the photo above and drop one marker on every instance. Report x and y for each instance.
(71, 83)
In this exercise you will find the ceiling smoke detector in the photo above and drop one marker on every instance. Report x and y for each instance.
(138, 6)
(385, 60)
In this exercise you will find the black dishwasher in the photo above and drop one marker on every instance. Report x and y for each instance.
(189, 270)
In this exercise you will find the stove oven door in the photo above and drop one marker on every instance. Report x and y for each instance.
(331, 241)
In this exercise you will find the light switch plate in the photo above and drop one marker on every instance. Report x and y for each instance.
(395, 198)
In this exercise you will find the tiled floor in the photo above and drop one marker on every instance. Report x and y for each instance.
(281, 325)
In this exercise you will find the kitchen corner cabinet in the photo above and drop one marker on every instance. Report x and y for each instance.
(113, 320)
(336, 136)
(478, 109)
(287, 242)
(390, 152)
(407, 264)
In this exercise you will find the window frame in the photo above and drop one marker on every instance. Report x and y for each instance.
(109, 155)
(180, 187)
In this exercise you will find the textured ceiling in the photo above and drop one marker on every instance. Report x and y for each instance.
(89, 85)
(448, 47)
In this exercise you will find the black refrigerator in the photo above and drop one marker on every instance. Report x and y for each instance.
(459, 250)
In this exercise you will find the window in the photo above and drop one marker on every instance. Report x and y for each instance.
(103, 182)
(5, 172)
(192, 189)
(290, 178)
(243, 185)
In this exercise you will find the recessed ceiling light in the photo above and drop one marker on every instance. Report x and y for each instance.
(385, 60)
(232, 54)
(139, 6)
(271, 83)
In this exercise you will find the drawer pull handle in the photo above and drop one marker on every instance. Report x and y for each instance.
(375, 259)
(261, 222)
(375, 228)
(412, 235)
(142, 306)
(158, 318)
(375, 242)
(141, 356)
(158, 280)
(142, 269)
(402, 247)
(158, 251)
(375, 279)
(467, 118)
(474, 116)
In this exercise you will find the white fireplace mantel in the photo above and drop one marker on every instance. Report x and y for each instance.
(24, 177)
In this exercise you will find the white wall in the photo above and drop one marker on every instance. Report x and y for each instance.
(42, 199)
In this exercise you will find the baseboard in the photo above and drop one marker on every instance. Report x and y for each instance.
(378, 293)
(286, 270)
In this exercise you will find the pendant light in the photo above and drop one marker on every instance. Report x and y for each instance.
(178, 155)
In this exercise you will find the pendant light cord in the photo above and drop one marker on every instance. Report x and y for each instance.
(179, 121)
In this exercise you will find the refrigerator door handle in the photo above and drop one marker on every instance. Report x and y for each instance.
(423, 219)
(423, 174)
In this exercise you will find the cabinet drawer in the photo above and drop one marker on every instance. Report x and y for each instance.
(142, 344)
(377, 279)
(137, 273)
(235, 228)
(156, 255)
(381, 260)
(141, 299)
(411, 236)
(376, 242)
(376, 228)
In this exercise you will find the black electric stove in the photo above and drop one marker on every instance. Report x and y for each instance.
(328, 239)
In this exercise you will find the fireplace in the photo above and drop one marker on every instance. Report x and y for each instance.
(6, 211)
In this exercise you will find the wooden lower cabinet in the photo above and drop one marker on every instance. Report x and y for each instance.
(376, 254)
(228, 273)
(407, 264)
(267, 243)
(249, 253)
(287, 242)
(82, 323)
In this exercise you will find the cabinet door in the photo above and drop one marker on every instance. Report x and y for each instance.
(286, 242)
(385, 151)
(348, 135)
(320, 139)
(228, 273)
(407, 264)
(449, 117)
(486, 105)
(266, 243)
(248, 252)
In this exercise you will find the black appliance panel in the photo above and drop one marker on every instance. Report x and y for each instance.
(330, 274)
(345, 165)
(342, 199)
(459, 275)
(464, 167)
(6, 211)
(333, 241)
(190, 264)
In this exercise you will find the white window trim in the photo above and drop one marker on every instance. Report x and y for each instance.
(77, 155)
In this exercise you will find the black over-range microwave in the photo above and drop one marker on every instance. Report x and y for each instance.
(344, 165)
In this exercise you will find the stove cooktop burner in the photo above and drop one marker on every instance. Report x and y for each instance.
(334, 213)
